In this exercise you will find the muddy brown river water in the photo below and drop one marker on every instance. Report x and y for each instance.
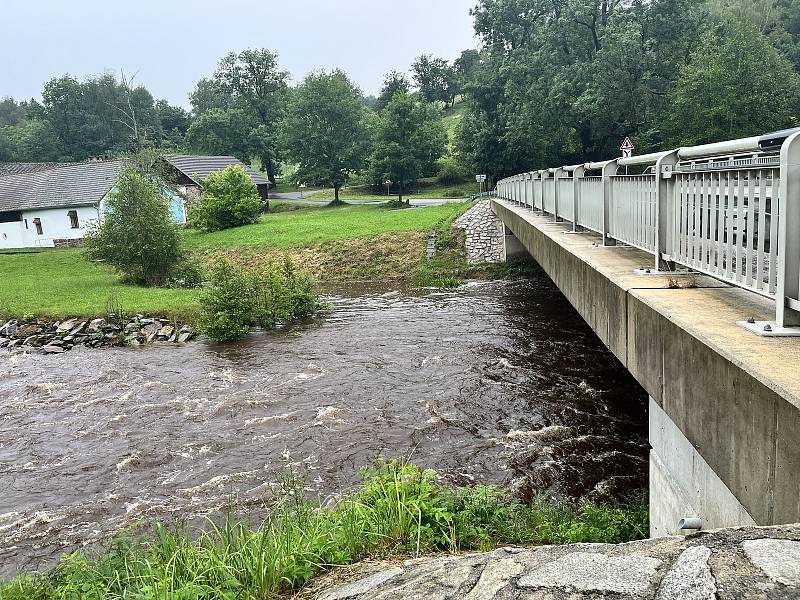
(498, 382)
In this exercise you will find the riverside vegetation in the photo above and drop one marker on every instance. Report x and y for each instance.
(334, 245)
(400, 510)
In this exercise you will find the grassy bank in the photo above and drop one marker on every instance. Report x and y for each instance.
(335, 244)
(399, 511)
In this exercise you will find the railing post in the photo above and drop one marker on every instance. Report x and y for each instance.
(666, 205)
(545, 173)
(541, 175)
(787, 299)
(577, 175)
(556, 174)
(609, 170)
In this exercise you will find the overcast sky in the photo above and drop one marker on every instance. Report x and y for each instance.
(173, 43)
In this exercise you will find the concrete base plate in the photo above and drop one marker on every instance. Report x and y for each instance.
(757, 327)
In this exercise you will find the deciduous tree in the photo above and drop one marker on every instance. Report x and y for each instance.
(324, 131)
(409, 137)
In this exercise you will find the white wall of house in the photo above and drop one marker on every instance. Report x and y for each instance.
(55, 223)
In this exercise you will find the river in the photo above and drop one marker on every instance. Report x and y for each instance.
(498, 382)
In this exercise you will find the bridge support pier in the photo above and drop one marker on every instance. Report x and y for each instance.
(512, 247)
(683, 485)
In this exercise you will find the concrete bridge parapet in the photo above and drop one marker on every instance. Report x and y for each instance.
(724, 404)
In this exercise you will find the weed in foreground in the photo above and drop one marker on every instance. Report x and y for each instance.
(400, 510)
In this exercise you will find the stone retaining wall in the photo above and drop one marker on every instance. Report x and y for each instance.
(752, 562)
(483, 232)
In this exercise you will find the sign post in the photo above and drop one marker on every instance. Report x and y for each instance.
(301, 186)
(627, 147)
(480, 179)
(387, 183)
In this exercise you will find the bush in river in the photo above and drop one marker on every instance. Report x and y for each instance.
(400, 510)
(240, 298)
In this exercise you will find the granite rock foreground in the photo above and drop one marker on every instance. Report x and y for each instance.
(752, 562)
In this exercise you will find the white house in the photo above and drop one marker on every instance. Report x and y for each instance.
(51, 204)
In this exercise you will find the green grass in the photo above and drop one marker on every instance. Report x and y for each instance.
(452, 117)
(316, 225)
(59, 283)
(399, 511)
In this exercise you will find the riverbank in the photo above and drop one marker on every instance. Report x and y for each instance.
(337, 245)
(400, 510)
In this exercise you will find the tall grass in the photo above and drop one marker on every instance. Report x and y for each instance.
(400, 510)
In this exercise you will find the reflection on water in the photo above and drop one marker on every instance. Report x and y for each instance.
(496, 382)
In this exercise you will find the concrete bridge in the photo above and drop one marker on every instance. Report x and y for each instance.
(686, 263)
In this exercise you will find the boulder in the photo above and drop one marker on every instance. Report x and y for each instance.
(166, 331)
(52, 349)
(185, 337)
(78, 328)
(95, 325)
(9, 329)
(151, 329)
(68, 325)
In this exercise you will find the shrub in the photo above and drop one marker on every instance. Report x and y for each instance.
(137, 235)
(240, 298)
(229, 199)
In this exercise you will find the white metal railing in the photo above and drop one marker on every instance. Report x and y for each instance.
(730, 210)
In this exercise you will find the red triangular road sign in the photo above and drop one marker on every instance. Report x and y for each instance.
(627, 144)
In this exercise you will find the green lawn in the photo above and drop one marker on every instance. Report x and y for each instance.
(315, 225)
(58, 283)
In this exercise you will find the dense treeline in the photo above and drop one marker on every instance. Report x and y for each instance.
(554, 82)
(563, 81)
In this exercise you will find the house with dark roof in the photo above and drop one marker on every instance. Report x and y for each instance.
(191, 170)
(51, 204)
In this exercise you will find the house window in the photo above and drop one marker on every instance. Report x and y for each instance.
(73, 219)
(37, 222)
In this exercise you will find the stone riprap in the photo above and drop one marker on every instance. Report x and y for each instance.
(751, 562)
(483, 233)
(55, 337)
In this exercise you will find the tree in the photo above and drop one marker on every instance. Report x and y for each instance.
(35, 141)
(435, 78)
(257, 85)
(222, 131)
(465, 66)
(324, 130)
(137, 235)
(409, 137)
(710, 102)
(230, 199)
(393, 83)
(172, 118)
(208, 94)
